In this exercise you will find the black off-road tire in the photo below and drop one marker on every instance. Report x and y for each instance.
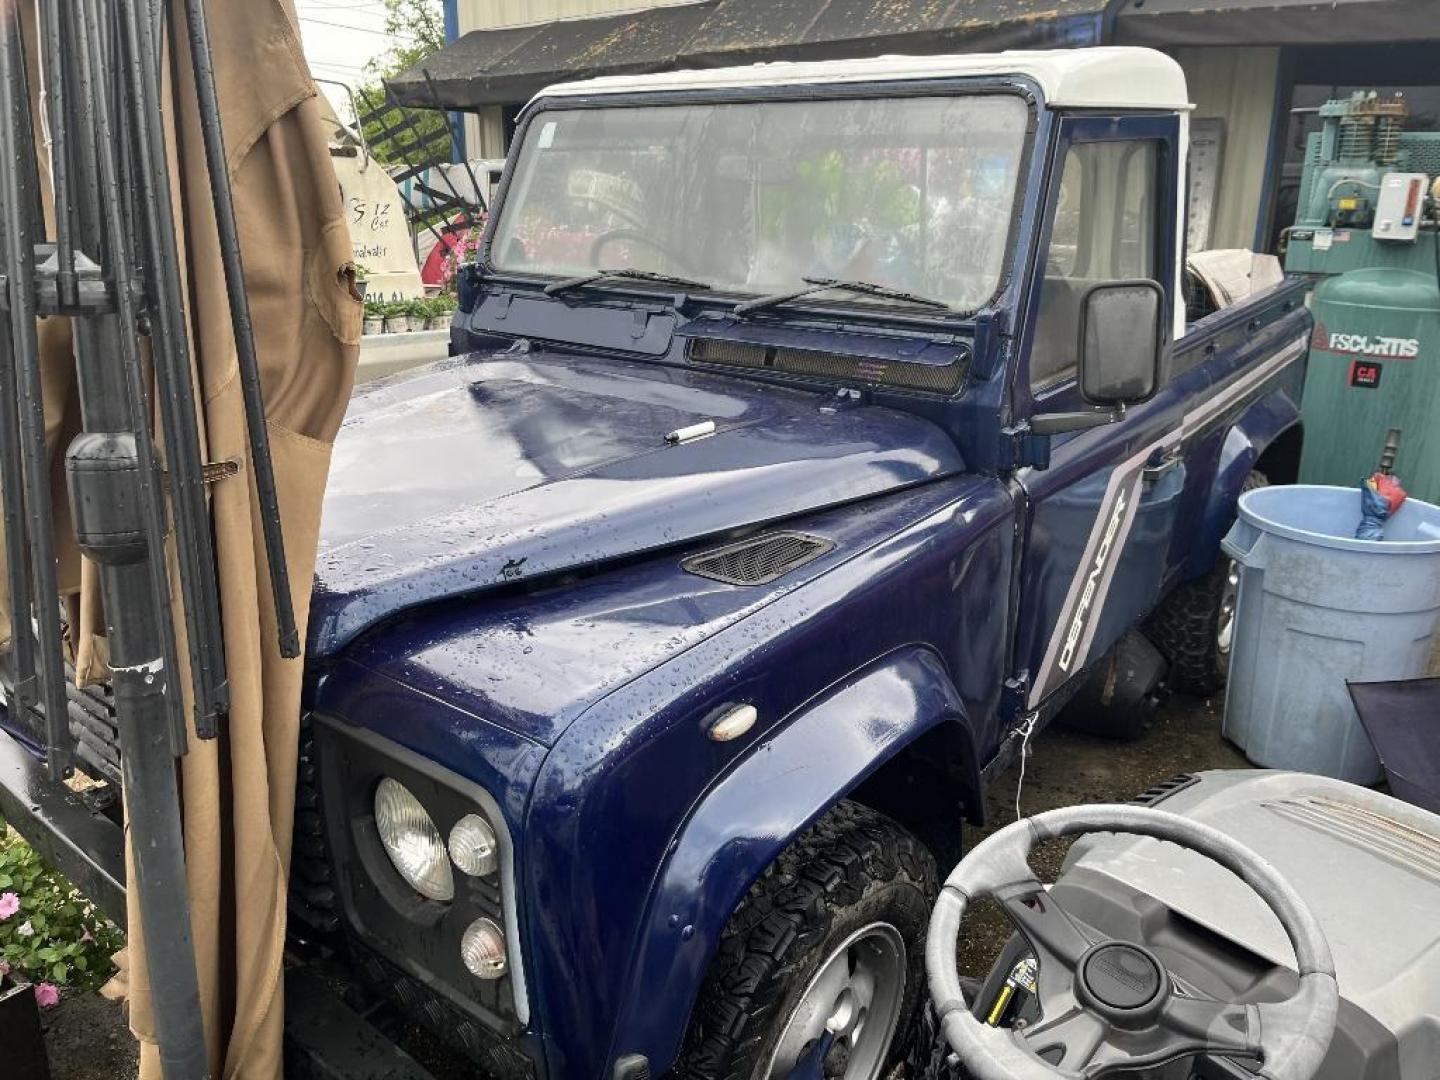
(1186, 626)
(854, 867)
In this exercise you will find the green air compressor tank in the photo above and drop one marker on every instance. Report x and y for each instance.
(1374, 365)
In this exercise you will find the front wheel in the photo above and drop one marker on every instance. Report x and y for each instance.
(823, 961)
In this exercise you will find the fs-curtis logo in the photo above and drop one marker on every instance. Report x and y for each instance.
(1395, 348)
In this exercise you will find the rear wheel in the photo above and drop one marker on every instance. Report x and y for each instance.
(830, 939)
(1195, 626)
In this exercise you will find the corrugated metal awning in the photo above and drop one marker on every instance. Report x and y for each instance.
(1275, 22)
(510, 65)
(488, 67)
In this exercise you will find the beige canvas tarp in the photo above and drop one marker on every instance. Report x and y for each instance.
(238, 791)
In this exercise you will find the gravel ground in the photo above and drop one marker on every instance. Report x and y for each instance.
(87, 1038)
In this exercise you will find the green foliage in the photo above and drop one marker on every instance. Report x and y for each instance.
(375, 307)
(57, 936)
(417, 28)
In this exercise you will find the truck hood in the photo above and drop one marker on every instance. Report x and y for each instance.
(487, 471)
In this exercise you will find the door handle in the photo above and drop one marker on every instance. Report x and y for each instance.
(1158, 467)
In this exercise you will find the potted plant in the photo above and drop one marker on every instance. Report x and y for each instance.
(362, 279)
(415, 313)
(397, 319)
(445, 304)
(374, 316)
(435, 313)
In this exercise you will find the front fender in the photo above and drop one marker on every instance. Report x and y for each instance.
(1253, 431)
(732, 836)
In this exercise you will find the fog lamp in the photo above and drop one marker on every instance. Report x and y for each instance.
(482, 948)
(412, 841)
(473, 846)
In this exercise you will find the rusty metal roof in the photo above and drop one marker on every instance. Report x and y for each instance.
(489, 67)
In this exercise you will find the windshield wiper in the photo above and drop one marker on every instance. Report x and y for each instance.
(819, 285)
(557, 287)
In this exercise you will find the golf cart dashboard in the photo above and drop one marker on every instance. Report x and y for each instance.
(1203, 964)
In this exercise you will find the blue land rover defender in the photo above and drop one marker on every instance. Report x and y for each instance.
(813, 434)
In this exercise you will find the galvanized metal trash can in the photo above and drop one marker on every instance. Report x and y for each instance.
(1317, 607)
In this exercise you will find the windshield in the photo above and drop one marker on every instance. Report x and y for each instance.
(913, 193)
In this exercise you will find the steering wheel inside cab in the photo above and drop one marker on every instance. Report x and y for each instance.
(1109, 1006)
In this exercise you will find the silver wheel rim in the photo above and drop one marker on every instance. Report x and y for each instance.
(1225, 629)
(856, 993)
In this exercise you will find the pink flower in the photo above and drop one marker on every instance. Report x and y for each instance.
(47, 995)
(4, 969)
(9, 904)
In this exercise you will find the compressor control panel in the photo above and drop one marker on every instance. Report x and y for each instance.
(1399, 206)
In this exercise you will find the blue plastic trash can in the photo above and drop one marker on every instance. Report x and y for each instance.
(1317, 607)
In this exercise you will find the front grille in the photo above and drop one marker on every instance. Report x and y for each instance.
(758, 560)
(494, 1054)
(867, 371)
(312, 876)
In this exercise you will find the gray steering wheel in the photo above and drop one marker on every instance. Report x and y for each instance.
(1110, 1006)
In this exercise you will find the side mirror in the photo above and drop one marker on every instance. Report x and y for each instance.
(1120, 342)
(1122, 334)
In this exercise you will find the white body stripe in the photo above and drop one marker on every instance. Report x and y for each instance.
(1070, 642)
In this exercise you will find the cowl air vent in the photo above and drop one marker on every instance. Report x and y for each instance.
(866, 371)
(758, 560)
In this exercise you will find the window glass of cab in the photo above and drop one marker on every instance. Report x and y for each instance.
(1104, 229)
(916, 193)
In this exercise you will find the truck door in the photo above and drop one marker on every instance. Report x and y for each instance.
(1100, 518)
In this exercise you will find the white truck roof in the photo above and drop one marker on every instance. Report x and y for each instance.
(1109, 77)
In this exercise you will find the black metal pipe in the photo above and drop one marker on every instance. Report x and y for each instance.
(264, 470)
(52, 41)
(464, 158)
(110, 224)
(195, 550)
(19, 262)
(417, 216)
(17, 550)
(114, 492)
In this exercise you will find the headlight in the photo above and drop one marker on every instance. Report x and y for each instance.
(412, 841)
(482, 948)
(473, 846)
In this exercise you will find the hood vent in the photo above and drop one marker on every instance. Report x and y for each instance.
(758, 560)
(864, 371)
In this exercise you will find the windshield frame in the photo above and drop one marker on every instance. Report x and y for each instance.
(841, 308)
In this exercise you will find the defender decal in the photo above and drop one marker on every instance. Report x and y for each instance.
(1087, 596)
(1069, 648)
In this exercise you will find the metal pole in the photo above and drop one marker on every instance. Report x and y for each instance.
(455, 140)
(195, 549)
(264, 470)
(23, 309)
(115, 505)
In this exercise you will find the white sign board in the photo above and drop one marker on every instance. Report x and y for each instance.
(378, 229)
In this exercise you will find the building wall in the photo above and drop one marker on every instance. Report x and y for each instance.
(1238, 85)
(485, 135)
(490, 14)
